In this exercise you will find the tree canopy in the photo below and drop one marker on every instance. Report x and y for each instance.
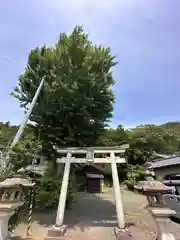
(76, 102)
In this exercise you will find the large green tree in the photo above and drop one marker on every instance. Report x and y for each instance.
(76, 102)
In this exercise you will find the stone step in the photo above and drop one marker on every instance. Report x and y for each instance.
(54, 238)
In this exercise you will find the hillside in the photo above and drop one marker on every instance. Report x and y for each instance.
(164, 138)
(8, 131)
(172, 128)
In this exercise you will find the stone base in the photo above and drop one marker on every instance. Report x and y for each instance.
(56, 233)
(162, 212)
(28, 238)
(20, 238)
(130, 232)
(122, 234)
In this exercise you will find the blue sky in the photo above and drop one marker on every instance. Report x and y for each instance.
(143, 34)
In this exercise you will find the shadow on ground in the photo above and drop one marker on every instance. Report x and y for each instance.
(87, 211)
(176, 220)
(93, 217)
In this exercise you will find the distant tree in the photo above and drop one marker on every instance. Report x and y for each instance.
(113, 137)
(7, 132)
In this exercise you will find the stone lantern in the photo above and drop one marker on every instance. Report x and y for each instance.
(154, 190)
(11, 198)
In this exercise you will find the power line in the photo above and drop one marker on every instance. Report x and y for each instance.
(9, 60)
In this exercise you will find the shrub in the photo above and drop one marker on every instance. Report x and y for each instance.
(134, 175)
(47, 191)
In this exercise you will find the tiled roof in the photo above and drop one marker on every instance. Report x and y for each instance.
(166, 162)
(96, 166)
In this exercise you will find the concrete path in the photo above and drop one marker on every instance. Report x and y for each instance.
(93, 218)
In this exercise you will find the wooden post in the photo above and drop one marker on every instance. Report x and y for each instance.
(29, 227)
(63, 195)
(117, 192)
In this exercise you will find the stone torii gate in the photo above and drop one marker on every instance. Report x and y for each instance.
(59, 228)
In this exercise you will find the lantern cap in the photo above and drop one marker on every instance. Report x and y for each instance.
(156, 186)
(18, 180)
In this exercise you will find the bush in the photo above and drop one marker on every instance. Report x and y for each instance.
(108, 175)
(122, 173)
(14, 220)
(47, 192)
(134, 175)
(6, 172)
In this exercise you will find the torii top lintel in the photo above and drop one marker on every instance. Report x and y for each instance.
(90, 154)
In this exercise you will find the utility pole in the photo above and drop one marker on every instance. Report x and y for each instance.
(20, 131)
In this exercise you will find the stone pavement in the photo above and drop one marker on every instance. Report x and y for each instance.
(93, 217)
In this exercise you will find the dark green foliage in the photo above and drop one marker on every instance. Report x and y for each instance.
(77, 99)
(14, 220)
(107, 174)
(7, 133)
(134, 175)
(113, 137)
(47, 191)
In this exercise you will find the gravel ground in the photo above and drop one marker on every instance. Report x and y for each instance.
(139, 214)
(93, 218)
